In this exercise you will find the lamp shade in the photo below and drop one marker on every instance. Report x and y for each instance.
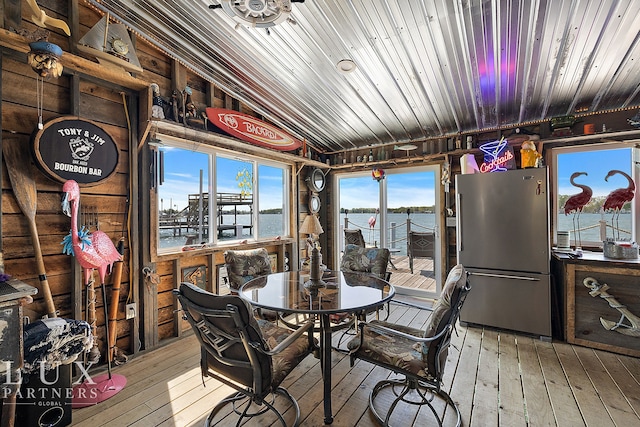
(311, 225)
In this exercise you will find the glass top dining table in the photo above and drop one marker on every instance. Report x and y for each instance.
(289, 292)
(339, 292)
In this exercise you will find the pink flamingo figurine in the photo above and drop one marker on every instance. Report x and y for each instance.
(93, 251)
(100, 253)
(617, 198)
(372, 223)
(576, 203)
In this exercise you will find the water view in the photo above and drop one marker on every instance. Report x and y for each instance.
(271, 226)
(590, 226)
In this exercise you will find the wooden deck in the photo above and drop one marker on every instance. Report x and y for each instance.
(422, 277)
(497, 378)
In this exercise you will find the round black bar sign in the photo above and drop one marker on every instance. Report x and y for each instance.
(72, 148)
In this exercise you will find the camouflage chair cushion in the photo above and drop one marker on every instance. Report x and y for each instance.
(365, 260)
(439, 318)
(243, 266)
(392, 350)
(283, 362)
(408, 355)
(455, 281)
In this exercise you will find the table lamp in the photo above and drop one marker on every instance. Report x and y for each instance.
(311, 226)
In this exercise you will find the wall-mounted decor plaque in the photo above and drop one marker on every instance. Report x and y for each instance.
(196, 275)
(73, 148)
(251, 129)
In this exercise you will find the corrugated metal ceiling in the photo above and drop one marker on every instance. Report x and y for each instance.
(425, 68)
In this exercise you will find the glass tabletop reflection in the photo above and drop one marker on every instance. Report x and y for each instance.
(341, 291)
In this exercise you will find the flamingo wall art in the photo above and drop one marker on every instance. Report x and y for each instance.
(575, 204)
(617, 198)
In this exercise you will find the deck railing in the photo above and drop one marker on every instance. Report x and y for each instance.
(394, 240)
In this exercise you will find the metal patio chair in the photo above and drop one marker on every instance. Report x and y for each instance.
(420, 245)
(250, 355)
(419, 356)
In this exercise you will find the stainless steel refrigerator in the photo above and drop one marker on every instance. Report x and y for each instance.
(503, 240)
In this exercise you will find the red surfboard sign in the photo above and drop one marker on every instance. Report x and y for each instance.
(250, 129)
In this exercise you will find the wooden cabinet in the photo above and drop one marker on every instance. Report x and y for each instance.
(602, 302)
(13, 295)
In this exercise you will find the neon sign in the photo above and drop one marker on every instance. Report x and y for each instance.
(498, 156)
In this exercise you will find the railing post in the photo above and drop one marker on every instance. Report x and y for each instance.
(346, 225)
(393, 234)
(603, 230)
(408, 227)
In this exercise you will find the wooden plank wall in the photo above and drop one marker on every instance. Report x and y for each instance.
(101, 103)
(85, 94)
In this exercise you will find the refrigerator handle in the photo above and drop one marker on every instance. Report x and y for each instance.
(459, 223)
(506, 276)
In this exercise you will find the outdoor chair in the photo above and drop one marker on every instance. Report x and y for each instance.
(419, 356)
(250, 355)
(353, 237)
(420, 245)
(244, 265)
(356, 259)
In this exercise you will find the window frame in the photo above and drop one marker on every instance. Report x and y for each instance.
(556, 209)
(383, 199)
(213, 152)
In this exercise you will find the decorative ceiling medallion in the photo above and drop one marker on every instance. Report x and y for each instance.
(258, 13)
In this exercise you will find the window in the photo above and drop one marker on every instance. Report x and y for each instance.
(599, 169)
(384, 211)
(273, 219)
(250, 204)
(234, 198)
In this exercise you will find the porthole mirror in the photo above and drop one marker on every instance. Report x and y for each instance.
(316, 180)
(314, 203)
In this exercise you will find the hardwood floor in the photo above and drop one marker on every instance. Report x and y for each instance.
(497, 378)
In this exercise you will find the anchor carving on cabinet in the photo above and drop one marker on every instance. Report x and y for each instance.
(632, 325)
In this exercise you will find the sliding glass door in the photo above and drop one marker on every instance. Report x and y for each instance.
(386, 212)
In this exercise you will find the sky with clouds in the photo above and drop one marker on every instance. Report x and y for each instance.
(403, 189)
(182, 176)
(596, 164)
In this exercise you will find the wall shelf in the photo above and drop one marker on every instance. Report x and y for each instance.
(77, 64)
(397, 161)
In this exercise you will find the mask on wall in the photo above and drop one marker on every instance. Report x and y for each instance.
(44, 59)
